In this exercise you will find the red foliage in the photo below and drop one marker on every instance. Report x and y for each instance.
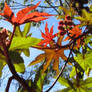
(23, 16)
(48, 36)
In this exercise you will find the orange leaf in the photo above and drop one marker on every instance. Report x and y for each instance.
(38, 59)
(53, 55)
(48, 36)
(23, 12)
(23, 16)
(75, 32)
(37, 19)
(7, 13)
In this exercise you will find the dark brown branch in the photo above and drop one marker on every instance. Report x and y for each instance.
(12, 35)
(9, 82)
(61, 4)
(13, 71)
(57, 77)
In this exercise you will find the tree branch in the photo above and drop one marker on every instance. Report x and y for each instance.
(13, 71)
(12, 35)
(60, 2)
(9, 82)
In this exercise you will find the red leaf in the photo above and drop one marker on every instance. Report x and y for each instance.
(46, 29)
(51, 31)
(23, 16)
(37, 19)
(48, 36)
(7, 12)
(23, 12)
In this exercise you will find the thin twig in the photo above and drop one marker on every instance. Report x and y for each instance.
(61, 4)
(9, 82)
(12, 35)
(53, 7)
(67, 2)
(57, 77)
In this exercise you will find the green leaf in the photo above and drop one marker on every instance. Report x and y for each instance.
(73, 72)
(26, 29)
(17, 61)
(66, 90)
(85, 62)
(88, 82)
(23, 42)
(20, 67)
(18, 32)
(2, 63)
(40, 82)
(63, 81)
(88, 39)
(26, 52)
(85, 14)
(39, 79)
(15, 57)
(90, 8)
(1, 67)
(80, 89)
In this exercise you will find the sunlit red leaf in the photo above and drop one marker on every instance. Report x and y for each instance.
(48, 36)
(25, 11)
(75, 32)
(51, 31)
(8, 14)
(37, 19)
(24, 15)
(46, 29)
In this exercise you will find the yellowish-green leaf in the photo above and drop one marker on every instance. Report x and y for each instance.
(23, 42)
(26, 29)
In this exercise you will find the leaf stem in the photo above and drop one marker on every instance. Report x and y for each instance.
(12, 35)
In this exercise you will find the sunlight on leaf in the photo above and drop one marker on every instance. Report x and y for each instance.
(23, 42)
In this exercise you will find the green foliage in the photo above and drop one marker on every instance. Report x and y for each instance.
(26, 29)
(83, 85)
(17, 61)
(23, 42)
(85, 18)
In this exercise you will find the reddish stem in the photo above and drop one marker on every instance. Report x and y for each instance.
(12, 35)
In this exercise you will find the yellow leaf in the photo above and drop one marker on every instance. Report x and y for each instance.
(50, 55)
(38, 59)
(48, 61)
(56, 65)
